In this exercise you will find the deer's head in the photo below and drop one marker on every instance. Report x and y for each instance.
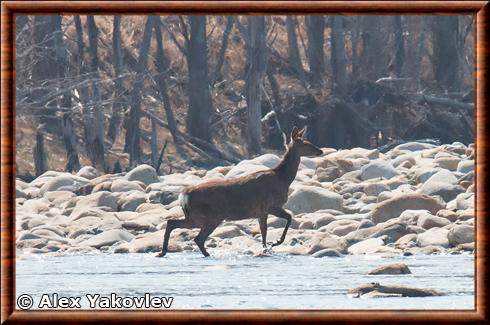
(302, 146)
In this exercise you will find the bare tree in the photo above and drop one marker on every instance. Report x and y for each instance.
(374, 61)
(200, 104)
(338, 55)
(162, 65)
(256, 69)
(396, 64)
(117, 105)
(445, 59)
(96, 148)
(230, 21)
(132, 144)
(315, 27)
(293, 51)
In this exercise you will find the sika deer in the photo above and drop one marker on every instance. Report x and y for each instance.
(256, 195)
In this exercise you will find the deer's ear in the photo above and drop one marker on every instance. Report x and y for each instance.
(302, 133)
(295, 134)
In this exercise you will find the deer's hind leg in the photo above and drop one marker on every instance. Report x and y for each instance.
(206, 230)
(281, 213)
(171, 225)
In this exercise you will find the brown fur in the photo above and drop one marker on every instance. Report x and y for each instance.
(256, 195)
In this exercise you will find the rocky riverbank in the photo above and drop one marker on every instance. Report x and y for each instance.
(415, 199)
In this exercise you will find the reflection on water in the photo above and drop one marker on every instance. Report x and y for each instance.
(232, 282)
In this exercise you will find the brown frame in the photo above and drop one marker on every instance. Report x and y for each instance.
(480, 9)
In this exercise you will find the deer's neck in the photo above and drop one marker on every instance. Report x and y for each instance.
(288, 167)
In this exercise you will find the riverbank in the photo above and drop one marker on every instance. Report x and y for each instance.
(416, 199)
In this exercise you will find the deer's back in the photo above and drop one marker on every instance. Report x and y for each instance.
(250, 196)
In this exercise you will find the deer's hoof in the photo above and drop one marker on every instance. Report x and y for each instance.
(277, 243)
(161, 254)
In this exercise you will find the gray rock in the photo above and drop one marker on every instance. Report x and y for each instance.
(393, 207)
(414, 146)
(461, 234)
(375, 189)
(327, 252)
(328, 174)
(131, 201)
(466, 166)
(395, 268)
(449, 163)
(428, 221)
(367, 246)
(433, 237)
(391, 290)
(64, 182)
(378, 169)
(88, 172)
(305, 199)
(122, 185)
(108, 238)
(447, 191)
(143, 173)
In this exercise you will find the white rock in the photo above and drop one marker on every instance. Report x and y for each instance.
(306, 199)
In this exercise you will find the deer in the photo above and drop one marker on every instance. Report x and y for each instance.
(206, 205)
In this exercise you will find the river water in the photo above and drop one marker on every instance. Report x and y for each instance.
(247, 282)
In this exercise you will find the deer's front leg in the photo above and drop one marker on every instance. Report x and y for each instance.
(263, 230)
(281, 213)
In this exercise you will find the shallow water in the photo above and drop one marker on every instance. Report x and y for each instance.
(247, 282)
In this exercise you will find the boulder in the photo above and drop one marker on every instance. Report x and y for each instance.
(131, 201)
(122, 185)
(428, 221)
(97, 200)
(227, 232)
(433, 237)
(147, 243)
(391, 232)
(448, 214)
(64, 182)
(466, 166)
(395, 268)
(319, 219)
(143, 173)
(391, 290)
(328, 174)
(108, 238)
(374, 189)
(393, 207)
(449, 162)
(447, 191)
(326, 241)
(305, 199)
(88, 172)
(442, 176)
(414, 146)
(378, 169)
(367, 246)
(461, 234)
(327, 252)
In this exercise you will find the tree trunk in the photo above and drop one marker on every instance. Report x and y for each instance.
(39, 154)
(338, 55)
(315, 26)
(162, 68)
(69, 137)
(445, 58)
(293, 51)
(88, 118)
(374, 61)
(230, 20)
(200, 104)
(96, 149)
(154, 144)
(256, 69)
(396, 65)
(133, 126)
(355, 32)
(117, 105)
(44, 69)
